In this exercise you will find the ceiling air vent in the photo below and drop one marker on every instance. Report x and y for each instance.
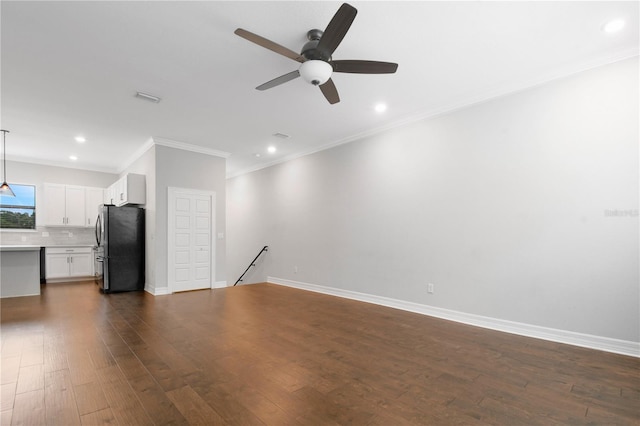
(148, 97)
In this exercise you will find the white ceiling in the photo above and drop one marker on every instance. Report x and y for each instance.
(71, 68)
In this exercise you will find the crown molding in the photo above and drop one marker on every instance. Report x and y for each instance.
(153, 141)
(136, 155)
(190, 147)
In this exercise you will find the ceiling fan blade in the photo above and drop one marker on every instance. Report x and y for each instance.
(364, 67)
(336, 30)
(330, 92)
(279, 80)
(268, 44)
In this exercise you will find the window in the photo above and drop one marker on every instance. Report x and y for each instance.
(19, 212)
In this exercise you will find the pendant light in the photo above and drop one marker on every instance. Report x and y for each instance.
(5, 189)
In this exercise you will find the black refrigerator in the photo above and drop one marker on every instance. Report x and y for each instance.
(120, 253)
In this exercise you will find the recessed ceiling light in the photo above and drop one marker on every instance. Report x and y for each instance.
(613, 26)
(73, 157)
(257, 155)
(380, 107)
(80, 139)
(148, 97)
(271, 149)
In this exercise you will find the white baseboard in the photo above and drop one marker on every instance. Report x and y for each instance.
(150, 288)
(68, 279)
(165, 290)
(607, 344)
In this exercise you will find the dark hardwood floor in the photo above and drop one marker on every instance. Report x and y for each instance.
(265, 354)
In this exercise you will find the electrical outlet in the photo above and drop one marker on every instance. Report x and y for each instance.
(70, 234)
(45, 234)
(23, 238)
(430, 288)
(295, 269)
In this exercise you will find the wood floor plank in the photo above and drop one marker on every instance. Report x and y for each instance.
(266, 354)
(159, 406)
(193, 407)
(101, 357)
(55, 358)
(7, 396)
(11, 345)
(32, 355)
(60, 400)
(124, 405)
(10, 369)
(80, 365)
(30, 378)
(90, 398)
(102, 417)
(29, 409)
(5, 417)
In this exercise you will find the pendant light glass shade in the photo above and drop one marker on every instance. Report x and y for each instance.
(5, 189)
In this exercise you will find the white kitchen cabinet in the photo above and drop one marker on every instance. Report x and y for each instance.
(64, 205)
(93, 198)
(57, 265)
(129, 189)
(68, 262)
(81, 264)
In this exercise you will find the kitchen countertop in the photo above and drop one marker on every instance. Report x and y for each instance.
(19, 248)
(68, 245)
(29, 247)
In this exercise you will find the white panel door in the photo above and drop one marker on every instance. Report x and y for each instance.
(190, 230)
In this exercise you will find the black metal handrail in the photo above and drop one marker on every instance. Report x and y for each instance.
(253, 263)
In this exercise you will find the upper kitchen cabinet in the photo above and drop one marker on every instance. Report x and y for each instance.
(64, 205)
(93, 198)
(71, 205)
(129, 189)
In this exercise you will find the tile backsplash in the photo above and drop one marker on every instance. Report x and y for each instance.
(56, 236)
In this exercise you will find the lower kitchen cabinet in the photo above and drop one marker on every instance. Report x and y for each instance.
(68, 262)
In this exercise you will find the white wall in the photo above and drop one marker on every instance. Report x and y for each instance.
(186, 169)
(502, 205)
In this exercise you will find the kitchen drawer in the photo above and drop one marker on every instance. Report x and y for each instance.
(67, 250)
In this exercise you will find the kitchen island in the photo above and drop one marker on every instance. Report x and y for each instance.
(19, 271)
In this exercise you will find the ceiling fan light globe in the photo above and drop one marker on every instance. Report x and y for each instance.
(316, 72)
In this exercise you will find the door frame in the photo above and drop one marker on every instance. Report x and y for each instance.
(171, 195)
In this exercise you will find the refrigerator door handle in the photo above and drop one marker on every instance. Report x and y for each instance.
(98, 226)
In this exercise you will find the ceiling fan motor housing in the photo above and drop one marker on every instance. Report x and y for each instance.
(309, 50)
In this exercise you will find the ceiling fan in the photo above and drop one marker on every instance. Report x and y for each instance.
(315, 56)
